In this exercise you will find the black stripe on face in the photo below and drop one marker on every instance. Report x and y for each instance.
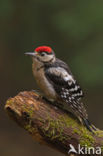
(48, 53)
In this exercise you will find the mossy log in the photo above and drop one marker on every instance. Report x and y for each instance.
(50, 125)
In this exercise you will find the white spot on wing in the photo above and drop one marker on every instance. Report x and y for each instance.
(75, 88)
(67, 77)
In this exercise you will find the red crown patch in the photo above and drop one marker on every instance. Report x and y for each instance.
(43, 49)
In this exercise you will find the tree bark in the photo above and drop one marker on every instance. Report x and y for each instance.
(50, 125)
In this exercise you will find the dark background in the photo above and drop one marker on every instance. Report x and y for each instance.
(74, 29)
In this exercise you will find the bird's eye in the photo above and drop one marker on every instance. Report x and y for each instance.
(42, 54)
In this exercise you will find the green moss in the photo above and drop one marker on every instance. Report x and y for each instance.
(86, 139)
(29, 110)
(54, 129)
(99, 133)
(67, 121)
(29, 128)
(76, 131)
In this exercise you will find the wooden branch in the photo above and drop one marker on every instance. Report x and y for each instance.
(49, 125)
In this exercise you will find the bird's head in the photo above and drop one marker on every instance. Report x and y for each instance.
(43, 54)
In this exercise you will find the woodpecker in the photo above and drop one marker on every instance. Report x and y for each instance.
(57, 83)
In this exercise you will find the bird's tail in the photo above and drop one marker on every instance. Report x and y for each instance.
(88, 125)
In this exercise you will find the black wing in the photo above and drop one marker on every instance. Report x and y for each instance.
(71, 85)
(66, 87)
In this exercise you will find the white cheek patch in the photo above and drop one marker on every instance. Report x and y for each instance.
(46, 58)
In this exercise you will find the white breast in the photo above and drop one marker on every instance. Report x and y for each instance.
(43, 83)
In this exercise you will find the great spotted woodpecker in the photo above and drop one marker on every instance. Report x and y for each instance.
(56, 81)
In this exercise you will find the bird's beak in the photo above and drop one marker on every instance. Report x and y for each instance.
(30, 53)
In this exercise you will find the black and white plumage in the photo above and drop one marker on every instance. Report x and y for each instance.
(66, 87)
(57, 83)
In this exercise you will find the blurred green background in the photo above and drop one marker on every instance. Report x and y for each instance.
(74, 29)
